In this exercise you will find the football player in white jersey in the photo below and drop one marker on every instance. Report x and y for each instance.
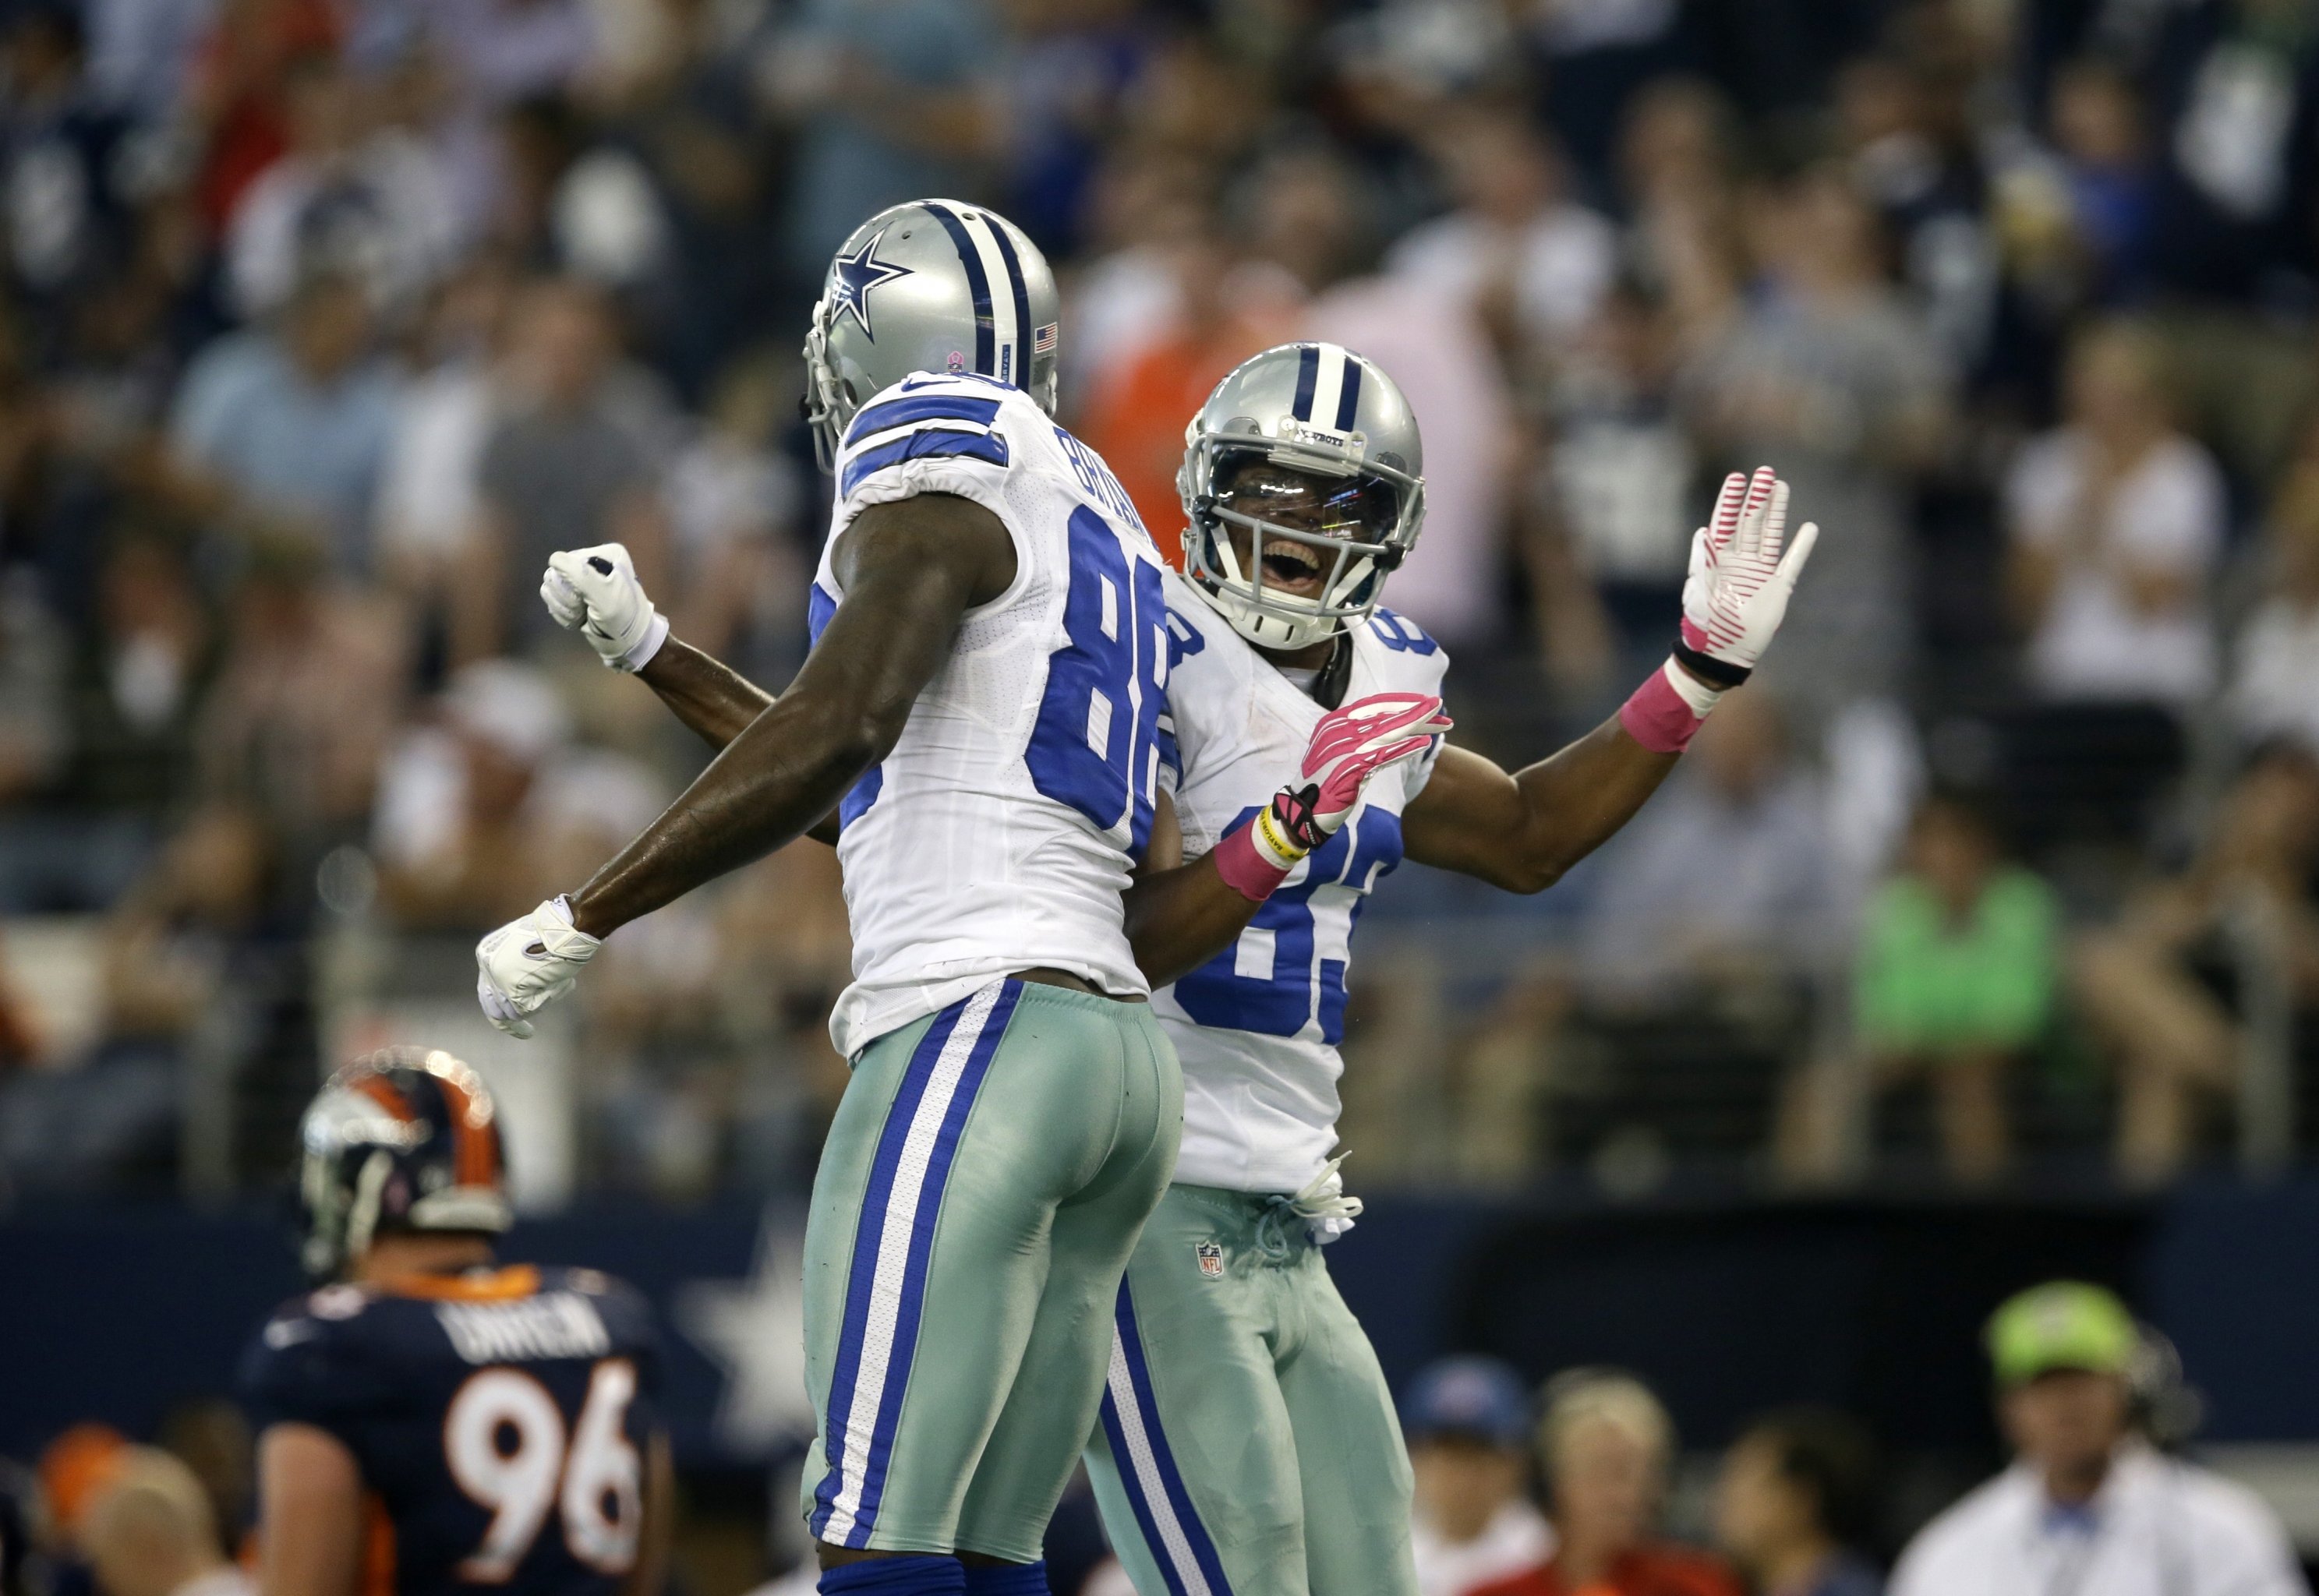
(1248, 1441)
(982, 710)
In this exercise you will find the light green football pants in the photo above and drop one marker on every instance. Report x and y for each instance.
(1248, 1444)
(981, 1189)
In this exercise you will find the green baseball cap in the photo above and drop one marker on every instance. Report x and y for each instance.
(2064, 1324)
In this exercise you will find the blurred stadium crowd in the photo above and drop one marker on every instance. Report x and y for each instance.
(323, 322)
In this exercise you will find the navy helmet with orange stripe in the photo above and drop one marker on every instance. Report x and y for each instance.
(404, 1139)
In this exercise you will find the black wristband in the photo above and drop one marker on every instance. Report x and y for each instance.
(1715, 672)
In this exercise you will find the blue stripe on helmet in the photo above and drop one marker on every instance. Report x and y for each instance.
(1308, 373)
(925, 407)
(930, 443)
(977, 282)
(922, 1238)
(1171, 1478)
(1349, 396)
(1022, 299)
(863, 1272)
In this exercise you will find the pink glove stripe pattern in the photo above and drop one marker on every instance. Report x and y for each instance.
(1349, 746)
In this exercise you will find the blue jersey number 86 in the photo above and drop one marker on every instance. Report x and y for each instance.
(1096, 744)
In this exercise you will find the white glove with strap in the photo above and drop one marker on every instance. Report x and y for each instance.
(1741, 577)
(528, 963)
(595, 592)
(1743, 571)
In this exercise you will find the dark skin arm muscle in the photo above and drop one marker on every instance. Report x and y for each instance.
(717, 702)
(910, 570)
(1522, 831)
(1179, 915)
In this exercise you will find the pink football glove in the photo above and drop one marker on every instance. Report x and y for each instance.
(1741, 575)
(1350, 746)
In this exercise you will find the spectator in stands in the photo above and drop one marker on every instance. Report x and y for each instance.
(180, 955)
(1604, 1447)
(2088, 1504)
(486, 808)
(2116, 520)
(150, 1533)
(1517, 251)
(137, 682)
(1618, 473)
(1956, 976)
(1717, 894)
(1468, 1422)
(2110, 186)
(734, 503)
(283, 429)
(1829, 375)
(569, 463)
(2276, 658)
(61, 143)
(1135, 419)
(429, 497)
(451, 836)
(311, 685)
(1796, 1501)
(895, 100)
(2242, 911)
(350, 189)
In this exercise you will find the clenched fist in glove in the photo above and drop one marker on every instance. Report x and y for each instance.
(528, 963)
(1743, 569)
(595, 592)
(1348, 747)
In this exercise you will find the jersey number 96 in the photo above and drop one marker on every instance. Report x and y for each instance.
(504, 1441)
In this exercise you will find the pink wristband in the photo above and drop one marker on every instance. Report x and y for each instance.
(1246, 870)
(1661, 716)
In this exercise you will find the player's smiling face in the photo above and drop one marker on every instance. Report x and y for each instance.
(1334, 509)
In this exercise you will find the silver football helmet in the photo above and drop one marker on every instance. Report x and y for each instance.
(1315, 431)
(932, 285)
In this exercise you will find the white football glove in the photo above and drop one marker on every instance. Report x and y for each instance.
(595, 592)
(1740, 579)
(528, 963)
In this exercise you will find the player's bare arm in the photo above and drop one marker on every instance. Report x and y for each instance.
(1522, 831)
(911, 568)
(309, 1490)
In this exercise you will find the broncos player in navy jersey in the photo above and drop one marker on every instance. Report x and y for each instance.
(432, 1421)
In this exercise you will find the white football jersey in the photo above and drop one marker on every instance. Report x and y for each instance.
(1257, 1027)
(999, 832)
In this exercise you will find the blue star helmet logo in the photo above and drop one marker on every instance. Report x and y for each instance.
(857, 274)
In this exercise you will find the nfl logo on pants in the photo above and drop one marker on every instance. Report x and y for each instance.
(1212, 1259)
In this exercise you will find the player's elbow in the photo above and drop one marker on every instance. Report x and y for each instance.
(1530, 877)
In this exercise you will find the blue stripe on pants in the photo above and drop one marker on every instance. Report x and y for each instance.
(1154, 1464)
(924, 1073)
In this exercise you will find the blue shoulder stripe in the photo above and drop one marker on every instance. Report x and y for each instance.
(932, 443)
(925, 407)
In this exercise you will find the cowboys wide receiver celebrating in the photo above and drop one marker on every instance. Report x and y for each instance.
(981, 709)
(1248, 1441)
